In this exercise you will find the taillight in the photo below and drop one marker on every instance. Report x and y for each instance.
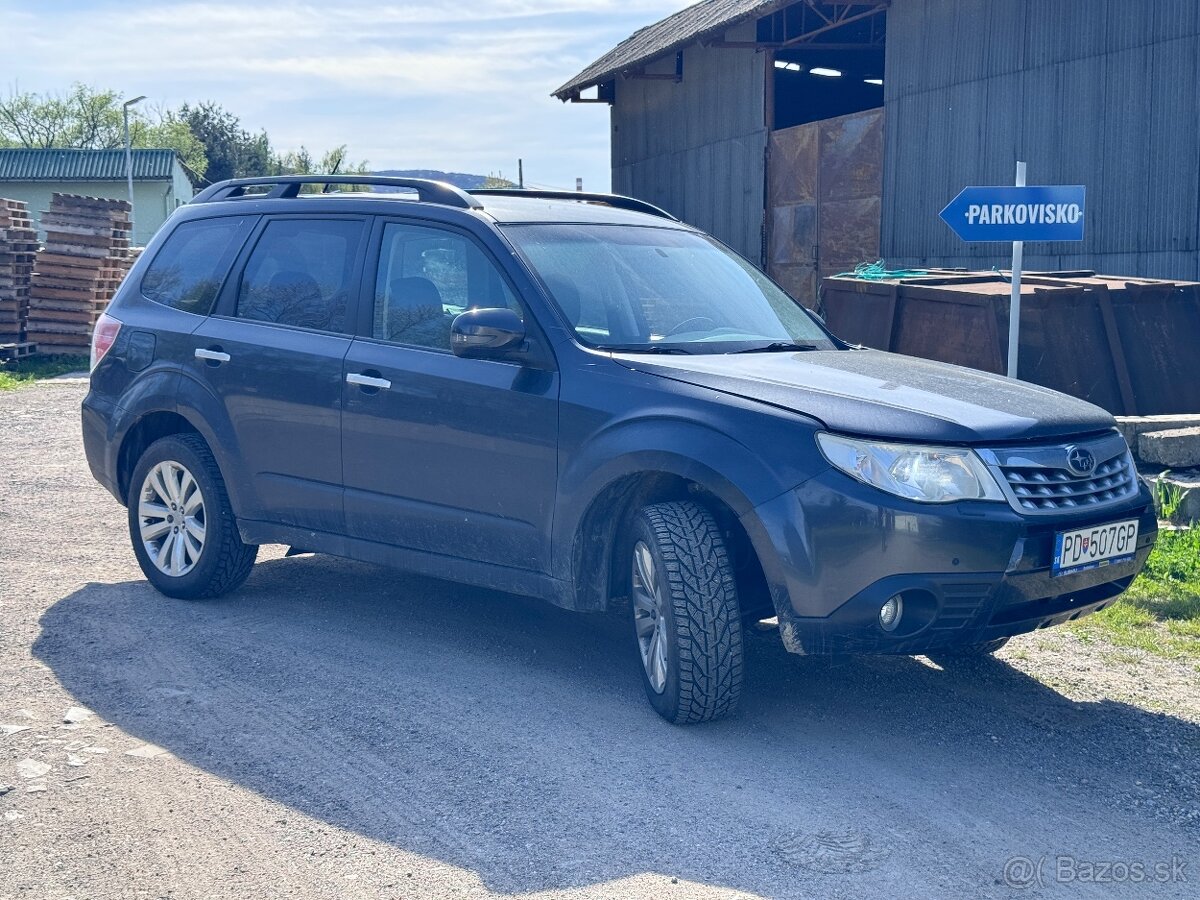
(103, 337)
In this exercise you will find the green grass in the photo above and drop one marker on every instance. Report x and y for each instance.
(15, 373)
(1160, 613)
(1170, 497)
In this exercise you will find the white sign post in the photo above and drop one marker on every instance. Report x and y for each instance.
(1017, 214)
(1014, 307)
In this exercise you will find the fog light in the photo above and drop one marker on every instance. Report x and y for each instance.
(890, 613)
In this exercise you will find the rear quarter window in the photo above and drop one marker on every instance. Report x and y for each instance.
(188, 270)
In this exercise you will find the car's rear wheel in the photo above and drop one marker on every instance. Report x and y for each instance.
(686, 617)
(181, 523)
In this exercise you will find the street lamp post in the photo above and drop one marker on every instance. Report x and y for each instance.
(129, 159)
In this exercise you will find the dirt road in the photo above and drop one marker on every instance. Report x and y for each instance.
(337, 730)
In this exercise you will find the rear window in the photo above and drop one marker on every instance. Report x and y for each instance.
(301, 273)
(188, 270)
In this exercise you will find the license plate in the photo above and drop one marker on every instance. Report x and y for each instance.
(1091, 548)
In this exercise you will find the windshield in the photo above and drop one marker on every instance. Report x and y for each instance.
(646, 289)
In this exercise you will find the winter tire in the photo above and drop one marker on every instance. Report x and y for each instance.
(181, 523)
(686, 617)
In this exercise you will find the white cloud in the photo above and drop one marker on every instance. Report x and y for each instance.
(419, 84)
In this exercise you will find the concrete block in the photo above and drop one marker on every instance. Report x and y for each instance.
(1178, 448)
(1134, 426)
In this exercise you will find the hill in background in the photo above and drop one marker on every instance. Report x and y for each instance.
(459, 179)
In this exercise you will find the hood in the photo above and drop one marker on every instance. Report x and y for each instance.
(885, 395)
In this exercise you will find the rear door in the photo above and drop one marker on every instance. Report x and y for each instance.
(273, 354)
(451, 456)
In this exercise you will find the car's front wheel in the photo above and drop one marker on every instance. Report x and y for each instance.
(181, 523)
(686, 616)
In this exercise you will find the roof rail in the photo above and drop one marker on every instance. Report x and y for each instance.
(617, 201)
(288, 186)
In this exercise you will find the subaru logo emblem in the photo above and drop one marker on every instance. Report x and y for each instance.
(1080, 461)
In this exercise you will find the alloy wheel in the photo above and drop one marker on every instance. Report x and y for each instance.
(171, 518)
(649, 617)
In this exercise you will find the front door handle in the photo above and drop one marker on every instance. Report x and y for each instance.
(369, 381)
(213, 356)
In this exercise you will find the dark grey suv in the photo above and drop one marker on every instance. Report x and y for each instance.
(577, 397)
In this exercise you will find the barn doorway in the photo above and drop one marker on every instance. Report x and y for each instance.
(824, 113)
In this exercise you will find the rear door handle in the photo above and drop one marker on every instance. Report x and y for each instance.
(216, 356)
(368, 381)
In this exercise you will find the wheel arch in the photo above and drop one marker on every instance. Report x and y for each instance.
(601, 548)
(596, 561)
(195, 410)
(148, 428)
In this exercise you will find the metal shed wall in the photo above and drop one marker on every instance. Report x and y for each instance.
(697, 148)
(154, 200)
(1104, 93)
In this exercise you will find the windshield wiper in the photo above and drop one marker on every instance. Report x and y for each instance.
(778, 347)
(645, 348)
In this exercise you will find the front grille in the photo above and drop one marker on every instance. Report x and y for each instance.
(1043, 488)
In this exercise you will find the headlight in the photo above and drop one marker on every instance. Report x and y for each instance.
(925, 474)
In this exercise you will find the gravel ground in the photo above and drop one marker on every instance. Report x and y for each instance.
(338, 730)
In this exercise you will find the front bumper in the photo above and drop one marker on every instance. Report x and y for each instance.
(834, 550)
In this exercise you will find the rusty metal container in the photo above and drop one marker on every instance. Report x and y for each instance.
(1127, 345)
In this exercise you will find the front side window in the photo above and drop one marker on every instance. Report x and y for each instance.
(188, 270)
(301, 273)
(428, 276)
(643, 288)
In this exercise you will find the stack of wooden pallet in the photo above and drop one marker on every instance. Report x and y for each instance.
(86, 255)
(18, 246)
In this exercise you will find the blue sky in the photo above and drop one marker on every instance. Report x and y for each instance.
(435, 84)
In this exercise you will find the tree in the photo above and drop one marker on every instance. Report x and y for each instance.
(89, 119)
(333, 162)
(171, 135)
(81, 118)
(295, 162)
(210, 139)
(232, 151)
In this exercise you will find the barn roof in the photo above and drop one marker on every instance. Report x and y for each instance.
(706, 19)
(84, 165)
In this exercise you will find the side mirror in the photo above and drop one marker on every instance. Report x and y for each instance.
(486, 333)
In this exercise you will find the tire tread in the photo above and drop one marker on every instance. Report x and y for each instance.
(705, 604)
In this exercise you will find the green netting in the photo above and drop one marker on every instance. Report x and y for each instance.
(878, 271)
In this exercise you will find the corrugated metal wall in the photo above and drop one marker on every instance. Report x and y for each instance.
(1104, 93)
(697, 148)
